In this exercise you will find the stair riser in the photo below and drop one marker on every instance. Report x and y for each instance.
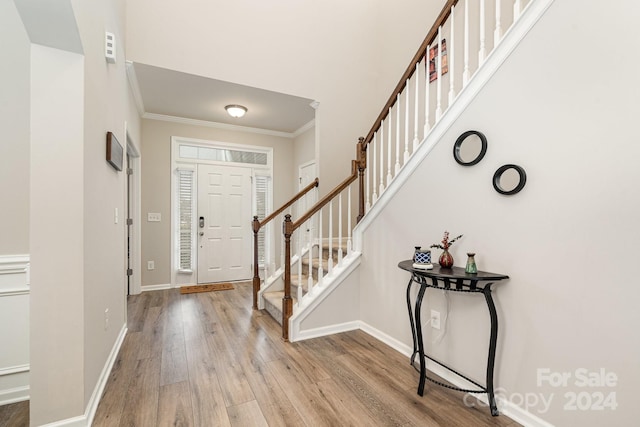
(275, 312)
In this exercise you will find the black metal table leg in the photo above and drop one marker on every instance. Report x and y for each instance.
(413, 326)
(492, 348)
(423, 368)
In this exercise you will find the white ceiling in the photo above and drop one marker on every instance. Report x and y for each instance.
(172, 93)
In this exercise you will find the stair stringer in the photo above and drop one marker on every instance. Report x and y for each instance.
(511, 39)
(318, 295)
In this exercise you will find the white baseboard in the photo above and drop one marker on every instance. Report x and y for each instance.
(328, 330)
(395, 344)
(147, 288)
(14, 395)
(90, 412)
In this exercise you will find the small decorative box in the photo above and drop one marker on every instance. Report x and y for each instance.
(422, 259)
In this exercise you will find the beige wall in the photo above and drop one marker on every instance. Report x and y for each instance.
(567, 241)
(14, 122)
(156, 183)
(330, 51)
(106, 108)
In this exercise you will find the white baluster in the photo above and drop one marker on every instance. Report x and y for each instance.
(381, 158)
(466, 74)
(349, 221)
(320, 240)
(389, 144)
(397, 166)
(340, 229)
(282, 241)
(330, 266)
(482, 53)
(310, 259)
(299, 295)
(451, 53)
(439, 76)
(416, 106)
(517, 10)
(497, 34)
(266, 272)
(374, 166)
(427, 103)
(368, 190)
(406, 124)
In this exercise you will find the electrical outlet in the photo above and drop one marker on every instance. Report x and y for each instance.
(435, 319)
(106, 319)
(151, 265)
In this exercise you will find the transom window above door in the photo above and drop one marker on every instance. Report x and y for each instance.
(222, 155)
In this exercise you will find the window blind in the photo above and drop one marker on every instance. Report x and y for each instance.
(185, 211)
(262, 203)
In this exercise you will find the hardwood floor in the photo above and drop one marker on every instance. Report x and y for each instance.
(208, 359)
(15, 415)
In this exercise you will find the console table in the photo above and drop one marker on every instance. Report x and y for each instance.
(455, 280)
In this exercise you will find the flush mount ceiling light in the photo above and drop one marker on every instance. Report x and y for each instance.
(236, 111)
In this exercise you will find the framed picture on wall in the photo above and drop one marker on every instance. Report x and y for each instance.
(433, 61)
(115, 152)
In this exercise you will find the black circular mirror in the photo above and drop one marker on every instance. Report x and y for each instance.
(509, 179)
(470, 148)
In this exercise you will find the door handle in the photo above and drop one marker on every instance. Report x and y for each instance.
(201, 222)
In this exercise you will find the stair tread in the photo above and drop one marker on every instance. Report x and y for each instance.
(316, 263)
(335, 246)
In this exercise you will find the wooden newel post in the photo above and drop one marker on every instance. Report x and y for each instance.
(361, 157)
(255, 225)
(287, 302)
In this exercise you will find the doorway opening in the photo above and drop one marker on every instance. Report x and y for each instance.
(132, 226)
(214, 196)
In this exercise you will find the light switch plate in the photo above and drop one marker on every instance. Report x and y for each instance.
(153, 217)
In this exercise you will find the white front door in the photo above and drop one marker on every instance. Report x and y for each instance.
(224, 223)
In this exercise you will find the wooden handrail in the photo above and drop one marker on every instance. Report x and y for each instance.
(433, 32)
(256, 225)
(301, 193)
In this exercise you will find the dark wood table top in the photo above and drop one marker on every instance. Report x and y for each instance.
(452, 273)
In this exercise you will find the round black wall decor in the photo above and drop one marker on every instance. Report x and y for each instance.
(505, 181)
(472, 151)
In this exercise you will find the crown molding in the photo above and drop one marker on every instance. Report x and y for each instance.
(305, 127)
(205, 123)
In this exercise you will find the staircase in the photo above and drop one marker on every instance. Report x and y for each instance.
(429, 97)
(300, 281)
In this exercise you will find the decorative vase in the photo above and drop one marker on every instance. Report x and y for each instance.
(446, 260)
(471, 267)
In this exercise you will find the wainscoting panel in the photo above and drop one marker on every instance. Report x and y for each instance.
(14, 328)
